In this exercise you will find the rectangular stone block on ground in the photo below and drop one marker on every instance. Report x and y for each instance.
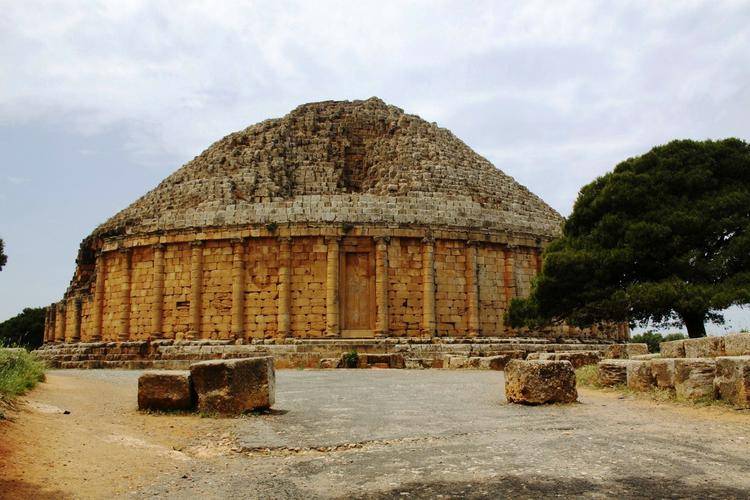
(540, 382)
(615, 351)
(705, 347)
(737, 344)
(732, 381)
(663, 372)
(233, 387)
(165, 391)
(694, 378)
(635, 349)
(639, 376)
(672, 349)
(613, 372)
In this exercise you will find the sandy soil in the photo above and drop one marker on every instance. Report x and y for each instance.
(368, 433)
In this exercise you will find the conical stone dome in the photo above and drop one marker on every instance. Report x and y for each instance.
(339, 162)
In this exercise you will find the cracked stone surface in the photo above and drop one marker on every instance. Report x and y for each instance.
(375, 434)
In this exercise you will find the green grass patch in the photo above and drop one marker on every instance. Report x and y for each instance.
(587, 376)
(19, 372)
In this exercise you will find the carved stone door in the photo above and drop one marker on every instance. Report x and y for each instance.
(357, 294)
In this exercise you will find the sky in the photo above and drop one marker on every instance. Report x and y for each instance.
(99, 101)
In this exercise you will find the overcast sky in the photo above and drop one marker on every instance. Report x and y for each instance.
(99, 101)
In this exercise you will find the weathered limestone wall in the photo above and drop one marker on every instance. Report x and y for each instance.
(227, 286)
(405, 286)
(261, 281)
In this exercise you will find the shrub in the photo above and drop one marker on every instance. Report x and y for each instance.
(351, 359)
(19, 372)
(653, 339)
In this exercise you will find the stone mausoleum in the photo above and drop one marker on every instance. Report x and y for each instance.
(339, 220)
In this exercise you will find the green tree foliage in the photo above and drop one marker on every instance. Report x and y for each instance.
(25, 329)
(653, 339)
(665, 238)
(3, 257)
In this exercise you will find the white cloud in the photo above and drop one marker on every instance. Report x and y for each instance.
(561, 89)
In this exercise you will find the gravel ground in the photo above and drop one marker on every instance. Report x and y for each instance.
(376, 434)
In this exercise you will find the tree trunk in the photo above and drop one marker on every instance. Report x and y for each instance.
(695, 324)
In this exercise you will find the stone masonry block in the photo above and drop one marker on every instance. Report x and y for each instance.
(232, 387)
(705, 347)
(613, 372)
(732, 381)
(672, 349)
(694, 378)
(165, 390)
(540, 382)
(639, 376)
(663, 372)
(635, 349)
(737, 344)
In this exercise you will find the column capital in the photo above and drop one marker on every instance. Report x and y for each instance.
(159, 246)
(428, 240)
(197, 243)
(285, 239)
(382, 239)
(238, 241)
(472, 243)
(332, 239)
(125, 250)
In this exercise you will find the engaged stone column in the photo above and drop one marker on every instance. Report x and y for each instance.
(49, 328)
(75, 334)
(238, 288)
(98, 306)
(428, 286)
(332, 287)
(196, 289)
(123, 330)
(157, 300)
(285, 287)
(472, 289)
(381, 286)
(60, 322)
(509, 275)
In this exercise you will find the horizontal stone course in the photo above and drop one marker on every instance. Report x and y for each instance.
(293, 354)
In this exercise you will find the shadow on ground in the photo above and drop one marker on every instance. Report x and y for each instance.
(544, 487)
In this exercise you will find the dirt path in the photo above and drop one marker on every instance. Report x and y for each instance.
(378, 433)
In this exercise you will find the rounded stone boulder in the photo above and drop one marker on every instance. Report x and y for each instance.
(540, 382)
(234, 386)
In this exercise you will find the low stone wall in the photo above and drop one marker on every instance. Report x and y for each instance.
(734, 344)
(295, 353)
(697, 378)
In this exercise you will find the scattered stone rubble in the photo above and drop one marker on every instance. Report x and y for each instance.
(540, 382)
(694, 369)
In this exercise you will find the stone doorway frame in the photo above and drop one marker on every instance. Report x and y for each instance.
(357, 245)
